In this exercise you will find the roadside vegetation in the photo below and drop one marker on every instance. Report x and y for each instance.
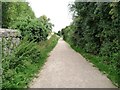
(94, 33)
(20, 66)
(19, 15)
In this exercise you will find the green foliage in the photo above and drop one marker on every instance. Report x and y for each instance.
(19, 15)
(25, 54)
(59, 33)
(95, 29)
(26, 59)
(37, 29)
(13, 11)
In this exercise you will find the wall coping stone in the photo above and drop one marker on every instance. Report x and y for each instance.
(9, 33)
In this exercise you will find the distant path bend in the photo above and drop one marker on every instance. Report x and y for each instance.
(66, 68)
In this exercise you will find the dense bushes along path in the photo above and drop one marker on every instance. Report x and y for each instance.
(66, 68)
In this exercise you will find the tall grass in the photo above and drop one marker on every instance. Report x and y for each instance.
(20, 67)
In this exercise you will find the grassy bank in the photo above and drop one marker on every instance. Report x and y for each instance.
(109, 69)
(20, 67)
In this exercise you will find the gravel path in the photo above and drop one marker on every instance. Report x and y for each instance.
(66, 68)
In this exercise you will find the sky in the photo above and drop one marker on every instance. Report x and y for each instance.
(56, 10)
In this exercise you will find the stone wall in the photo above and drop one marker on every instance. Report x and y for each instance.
(9, 39)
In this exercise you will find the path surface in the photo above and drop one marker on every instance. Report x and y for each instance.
(65, 68)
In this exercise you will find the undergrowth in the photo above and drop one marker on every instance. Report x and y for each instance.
(27, 59)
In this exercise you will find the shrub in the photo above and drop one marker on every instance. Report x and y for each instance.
(25, 54)
(95, 30)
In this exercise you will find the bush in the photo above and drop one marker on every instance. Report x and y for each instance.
(25, 54)
(95, 30)
(37, 29)
(19, 15)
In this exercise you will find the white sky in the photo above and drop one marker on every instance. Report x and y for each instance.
(56, 10)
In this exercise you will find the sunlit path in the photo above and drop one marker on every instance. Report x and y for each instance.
(65, 68)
